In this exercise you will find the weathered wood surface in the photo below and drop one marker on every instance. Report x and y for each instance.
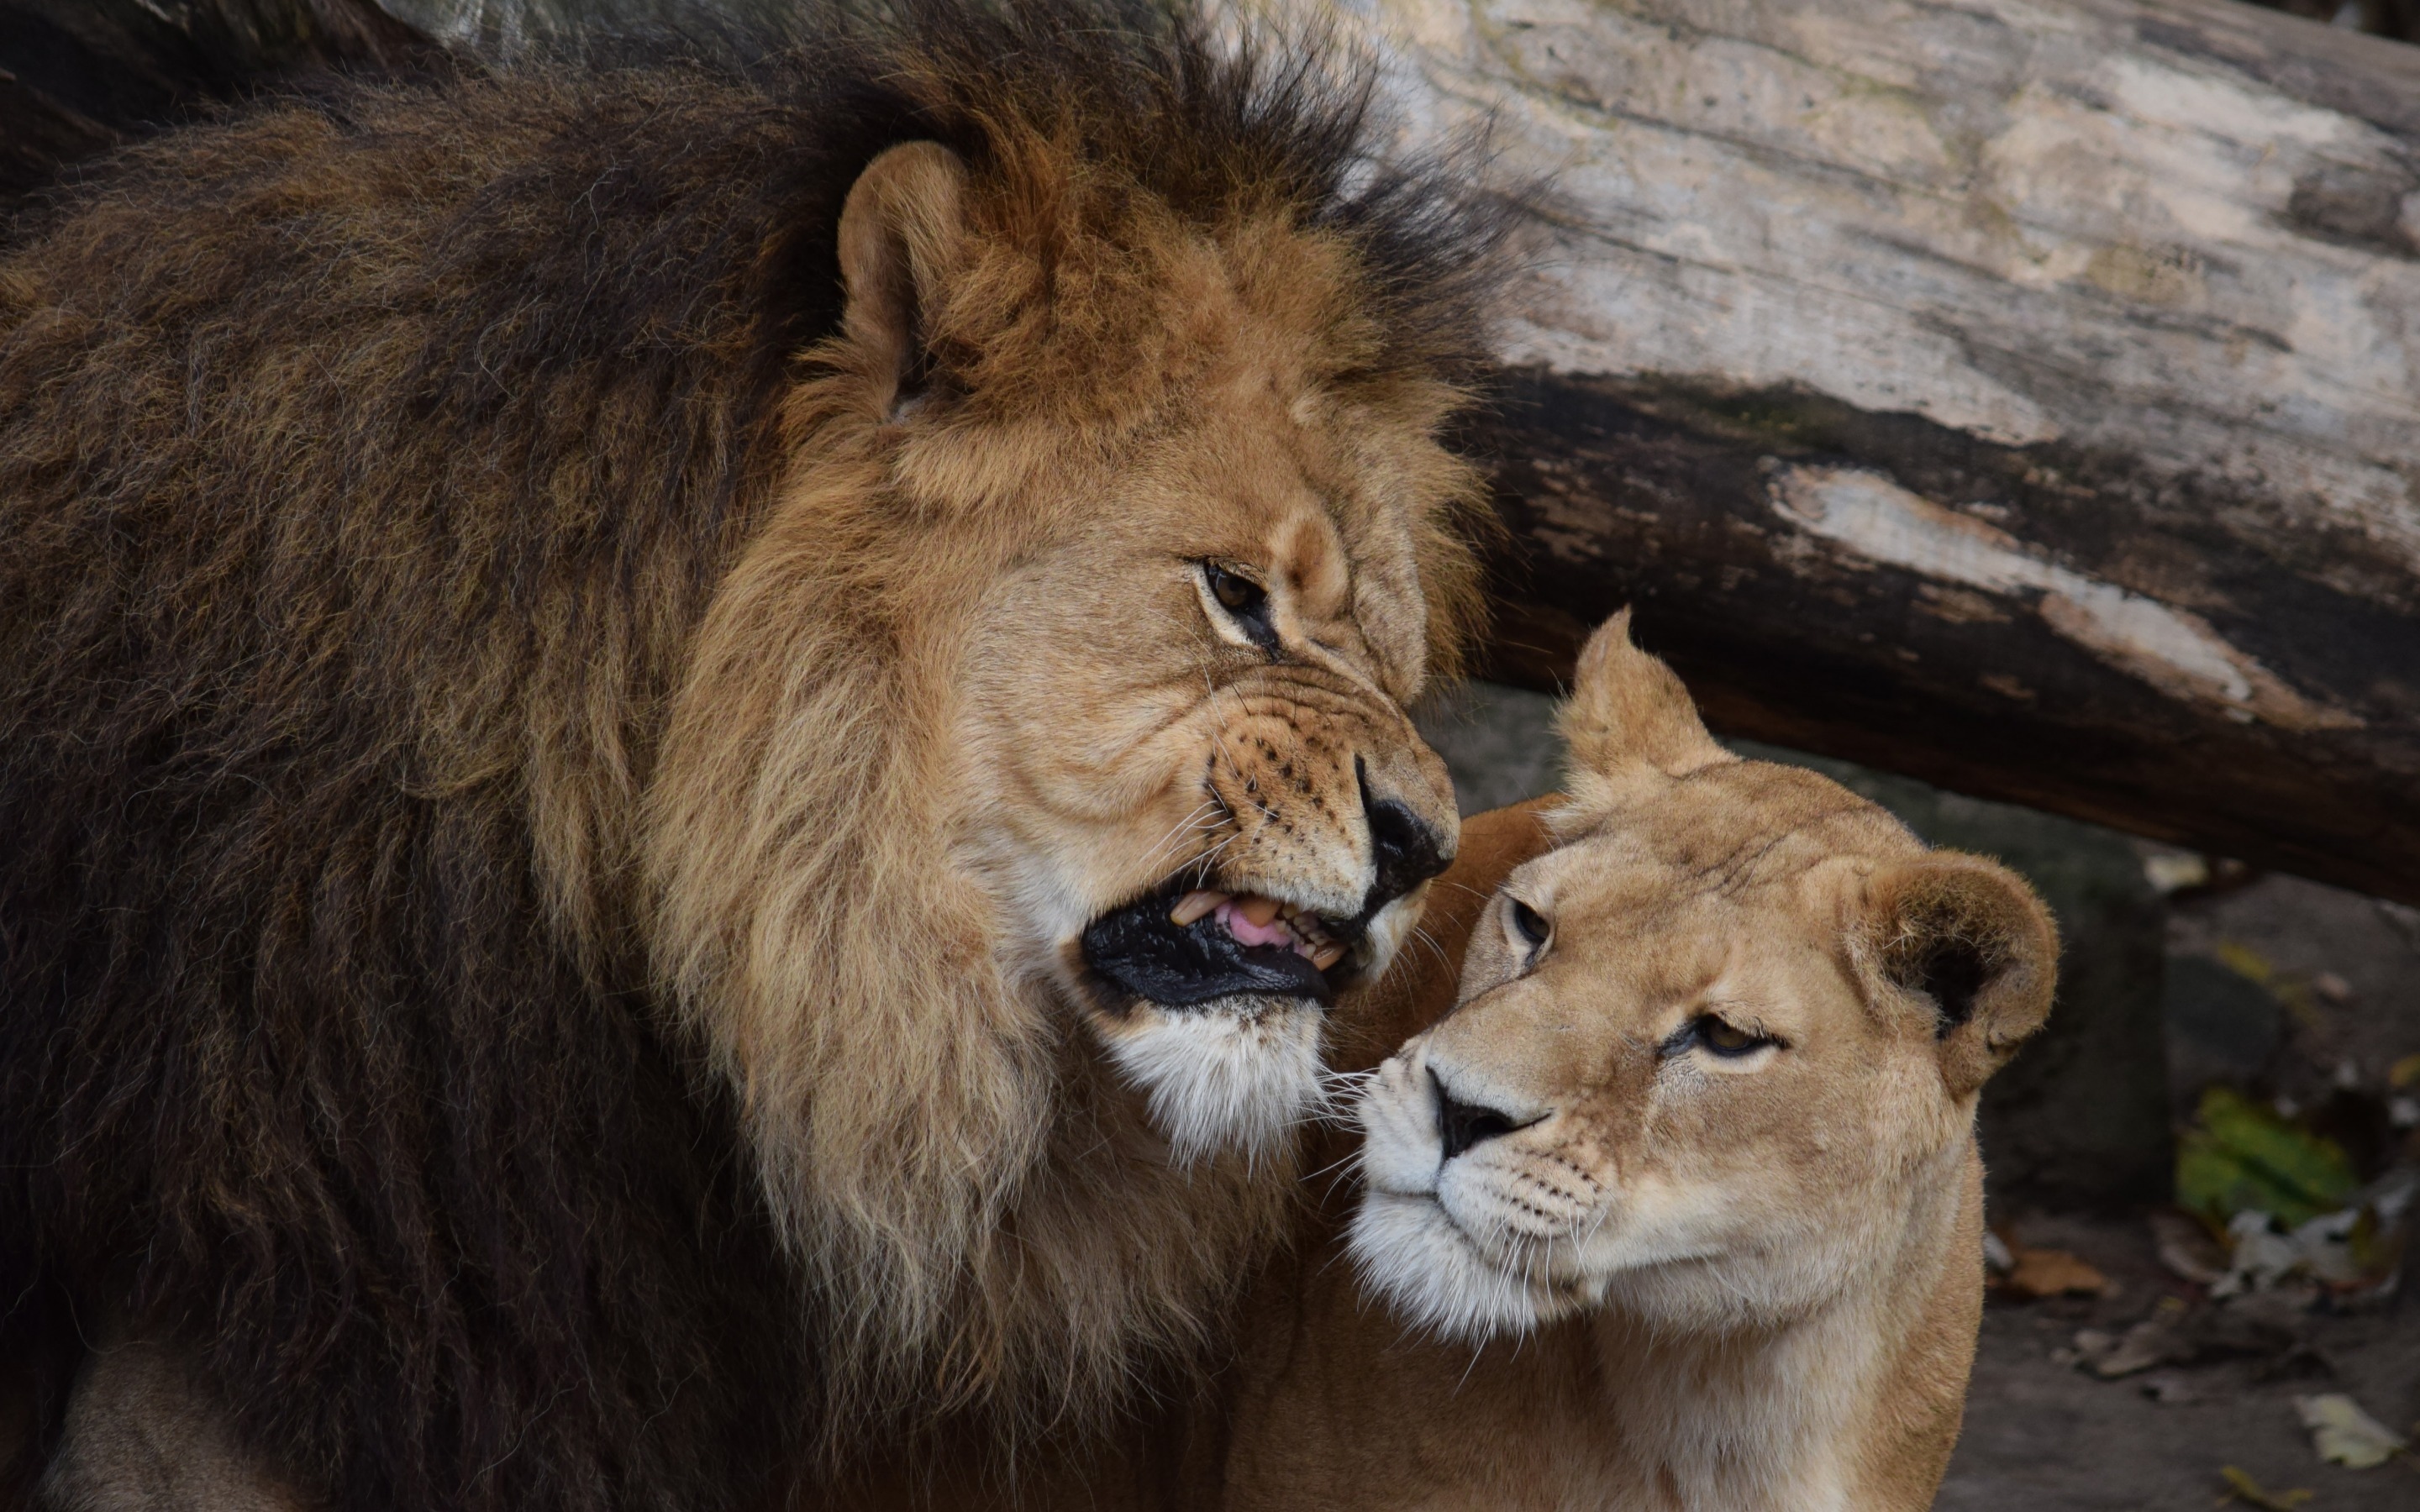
(2017, 394)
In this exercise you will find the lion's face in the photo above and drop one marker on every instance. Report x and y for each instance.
(1199, 607)
(1205, 804)
(1704, 1052)
(1045, 744)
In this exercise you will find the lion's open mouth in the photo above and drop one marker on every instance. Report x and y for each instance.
(1180, 948)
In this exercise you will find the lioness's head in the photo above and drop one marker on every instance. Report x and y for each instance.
(1705, 1049)
(1044, 750)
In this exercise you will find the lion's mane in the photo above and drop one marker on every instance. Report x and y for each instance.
(368, 464)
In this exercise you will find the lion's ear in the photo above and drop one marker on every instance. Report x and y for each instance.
(1965, 941)
(900, 233)
(1627, 707)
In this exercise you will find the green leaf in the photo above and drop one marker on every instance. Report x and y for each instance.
(2241, 1157)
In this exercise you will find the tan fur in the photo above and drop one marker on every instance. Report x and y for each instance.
(958, 697)
(1680, 1281)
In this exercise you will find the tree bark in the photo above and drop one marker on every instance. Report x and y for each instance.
(2018, 394)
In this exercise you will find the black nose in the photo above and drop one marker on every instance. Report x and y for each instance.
(1408, 851)
(1461, 1125)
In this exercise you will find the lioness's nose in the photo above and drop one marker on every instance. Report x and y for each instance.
(1461, 1125)
(1407, 850)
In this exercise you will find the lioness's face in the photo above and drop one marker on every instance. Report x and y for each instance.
(1212, 813)
(1703, 1054)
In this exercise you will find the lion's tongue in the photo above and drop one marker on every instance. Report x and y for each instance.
(1257, 921)
(1236, 913)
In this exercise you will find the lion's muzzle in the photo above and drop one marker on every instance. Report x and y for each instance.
(1182, 947)
(1209, 991)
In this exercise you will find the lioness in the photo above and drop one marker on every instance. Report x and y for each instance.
(1680, 1198)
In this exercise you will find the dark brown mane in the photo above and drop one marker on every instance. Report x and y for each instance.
(366, 461)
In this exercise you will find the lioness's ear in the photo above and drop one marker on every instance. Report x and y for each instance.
(1968, 942)
(901, 233)
(1626, 707)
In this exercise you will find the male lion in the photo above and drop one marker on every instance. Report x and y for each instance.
(1682, 1185)
(686, 750)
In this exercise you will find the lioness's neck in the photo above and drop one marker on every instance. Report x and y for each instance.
(1838, 1407)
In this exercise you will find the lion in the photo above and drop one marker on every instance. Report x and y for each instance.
(1678, 1195)
(690, 746)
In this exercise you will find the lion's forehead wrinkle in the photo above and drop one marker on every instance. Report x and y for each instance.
(1360, 502)
(1348, 566)
(1300, 700)
(1388, 604)
(1308, 551)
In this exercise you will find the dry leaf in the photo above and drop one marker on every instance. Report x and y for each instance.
(2186, 1247)
(1997, 1254)
(2243, 1488)
(2145, 1344)
(2052, 1273)
(2342, 1432)
(2176, 871)
(2170, 1390)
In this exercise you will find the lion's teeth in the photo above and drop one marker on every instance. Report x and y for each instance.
(1259, 910)
(1327, 956)
(1193, 905)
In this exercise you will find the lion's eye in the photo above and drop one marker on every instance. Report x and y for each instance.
(1239, 594)
(1246, 602)
(1726, 1039)
(1529, 924)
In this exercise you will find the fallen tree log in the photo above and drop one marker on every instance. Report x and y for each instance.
(2016, 395)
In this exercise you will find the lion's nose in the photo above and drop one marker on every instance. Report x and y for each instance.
(1407, 851)
(1461, 1125)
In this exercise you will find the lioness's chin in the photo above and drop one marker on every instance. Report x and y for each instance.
(1432, 1277)
(1237, 1074)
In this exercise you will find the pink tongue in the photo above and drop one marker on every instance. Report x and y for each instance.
(1272, 933)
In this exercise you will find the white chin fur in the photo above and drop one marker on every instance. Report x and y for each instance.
(1410, 1255)
(1408, 1251)
(1222, 1077)
(1239, 1074)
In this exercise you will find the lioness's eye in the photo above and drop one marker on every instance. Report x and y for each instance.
(1245, 601)
(1529, 924)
